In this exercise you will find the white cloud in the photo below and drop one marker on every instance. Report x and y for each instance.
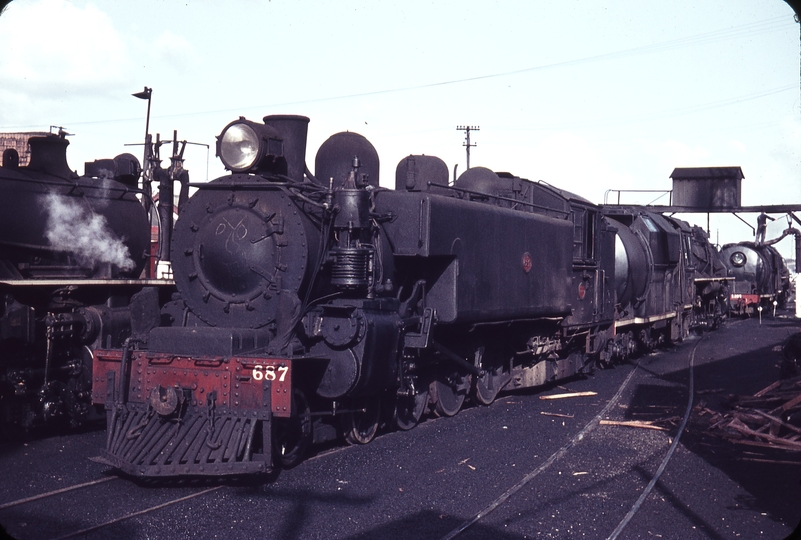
(53, 47)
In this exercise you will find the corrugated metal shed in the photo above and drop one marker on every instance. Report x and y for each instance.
(707, 188)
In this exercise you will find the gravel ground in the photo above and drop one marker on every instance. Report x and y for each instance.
(427, 482)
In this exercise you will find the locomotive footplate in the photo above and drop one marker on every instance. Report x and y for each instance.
(172, 415)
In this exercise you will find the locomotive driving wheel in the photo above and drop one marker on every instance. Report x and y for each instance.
(486, 387)
(409, 409)
(448, 391)
(292, 436)
(360, 425)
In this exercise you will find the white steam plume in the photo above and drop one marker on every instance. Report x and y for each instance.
(71, 228)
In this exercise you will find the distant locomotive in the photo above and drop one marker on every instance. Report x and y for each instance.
(316, 306)
(71, 250)
(761, 277)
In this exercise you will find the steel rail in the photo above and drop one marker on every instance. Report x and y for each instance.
(592, 424)
(644, 495)
(134, 514)
(56, 492)
(93, 528)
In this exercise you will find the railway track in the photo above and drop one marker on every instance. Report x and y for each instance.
(56, 492)
(84, 491)
(129, 515)
(95, 524)
(537, 467)
(594, 423)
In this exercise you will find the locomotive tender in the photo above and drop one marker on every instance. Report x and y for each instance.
(71, 250)
(313, 306)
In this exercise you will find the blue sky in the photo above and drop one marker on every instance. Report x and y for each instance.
(587, 96)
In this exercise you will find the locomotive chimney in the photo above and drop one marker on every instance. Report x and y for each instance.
(293, 129)
(49, 155)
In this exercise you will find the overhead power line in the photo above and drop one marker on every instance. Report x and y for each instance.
(618, 120)
(758, 27)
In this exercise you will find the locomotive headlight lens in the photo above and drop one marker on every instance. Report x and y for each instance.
(250, 147)
(239, 147)
(738, 258)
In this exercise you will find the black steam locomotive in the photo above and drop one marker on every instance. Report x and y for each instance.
(761, 277)
(71, 250)
(313, 306)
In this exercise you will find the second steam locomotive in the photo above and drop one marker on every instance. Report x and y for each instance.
(314, 306)
(760, 277)
(71, 250)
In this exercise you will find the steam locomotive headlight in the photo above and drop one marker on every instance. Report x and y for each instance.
(243, 145)
(239, 147)
(738, 258)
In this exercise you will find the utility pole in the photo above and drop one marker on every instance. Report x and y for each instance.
(466, 144)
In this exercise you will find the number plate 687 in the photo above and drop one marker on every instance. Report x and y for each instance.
(270, 373)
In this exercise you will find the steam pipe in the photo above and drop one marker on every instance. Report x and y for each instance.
(797, 250)
(165, 211)
(787, 232)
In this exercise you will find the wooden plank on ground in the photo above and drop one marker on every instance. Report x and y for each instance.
(569, 395)
(632, 423)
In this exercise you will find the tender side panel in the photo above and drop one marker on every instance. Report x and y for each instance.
(519, 263)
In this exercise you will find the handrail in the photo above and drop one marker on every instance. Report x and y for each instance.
(621, 191)
(500, 198)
